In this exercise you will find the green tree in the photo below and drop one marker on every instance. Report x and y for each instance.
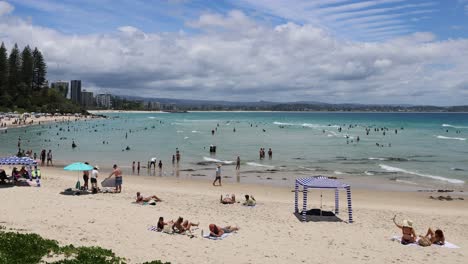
(3, 74)
(14, 74)
(39, 69)
(27, 69)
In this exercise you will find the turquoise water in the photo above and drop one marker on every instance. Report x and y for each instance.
(421, 151)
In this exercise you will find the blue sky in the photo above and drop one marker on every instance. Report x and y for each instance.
(337, 51)
(369, 20)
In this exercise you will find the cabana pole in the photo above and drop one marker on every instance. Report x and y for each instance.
(296, 190)
(337, 201)
(350, 208)
(304, 204)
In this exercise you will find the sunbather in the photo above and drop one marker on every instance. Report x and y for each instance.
(249, 200)
(161, 223)
(409, 235)
(141, 199)
(217, 231)
(227, 199)
(181, 226)
(436, 237)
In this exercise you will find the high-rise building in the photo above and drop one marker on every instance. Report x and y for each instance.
(76, 91)
(61, 87)
(154, 106)
(104, 101)
(87, 99)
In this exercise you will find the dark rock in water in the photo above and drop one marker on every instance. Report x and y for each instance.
(458, 169)
(444, 190)
(272, 170)
(298, 158)
(284, 179)
(198, 175)
(268, 178)
(188, 170)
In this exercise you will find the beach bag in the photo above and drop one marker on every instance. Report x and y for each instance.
(424, 242)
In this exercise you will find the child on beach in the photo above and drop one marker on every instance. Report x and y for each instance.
(161, 224)
(249, 200)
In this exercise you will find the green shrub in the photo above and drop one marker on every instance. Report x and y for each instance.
(16, 248)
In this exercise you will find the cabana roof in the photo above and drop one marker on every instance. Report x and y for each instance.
(13, 160)
(321, 182)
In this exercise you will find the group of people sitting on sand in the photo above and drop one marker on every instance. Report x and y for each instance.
(182, 226)
(249, 200)
(409, 235)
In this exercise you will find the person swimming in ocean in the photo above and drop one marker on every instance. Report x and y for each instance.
(74, 144)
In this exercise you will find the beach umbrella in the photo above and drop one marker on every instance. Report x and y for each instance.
(78, 166)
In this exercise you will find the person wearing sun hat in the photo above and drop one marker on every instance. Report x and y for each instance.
(218, 175)
(409, 235)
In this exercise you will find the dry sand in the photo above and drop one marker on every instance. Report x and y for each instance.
(41, 120)
(270, 233)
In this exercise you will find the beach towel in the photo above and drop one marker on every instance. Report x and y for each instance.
(110, 182)
(446, 245)
(223, 236)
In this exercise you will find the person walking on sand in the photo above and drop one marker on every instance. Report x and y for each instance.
(218, 175)
(118, 178)
(238, 163)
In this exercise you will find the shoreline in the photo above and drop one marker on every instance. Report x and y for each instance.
(33, 121)
(262, 111)
(269, 232)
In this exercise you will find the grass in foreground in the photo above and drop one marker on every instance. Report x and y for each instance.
(16, 248)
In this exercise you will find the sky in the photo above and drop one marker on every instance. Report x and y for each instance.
(335, 51)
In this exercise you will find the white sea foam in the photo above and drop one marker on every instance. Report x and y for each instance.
(372, 158)
(186, 137)
(259, 165)
(218, 161)
(180, 131)
(405, 181)
(448, 125)
(151, 117)
(455, 138)
(283, 124)
(318, 125)
(369, 173)
(195, 131)
(440, 178)
(305, 168)
(338, 172)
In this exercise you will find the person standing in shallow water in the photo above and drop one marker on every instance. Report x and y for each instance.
(238, 163)
(270, 153)
(138, 168)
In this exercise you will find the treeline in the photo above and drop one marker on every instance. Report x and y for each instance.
(23, 83)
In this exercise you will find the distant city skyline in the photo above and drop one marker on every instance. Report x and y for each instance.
(335, 51)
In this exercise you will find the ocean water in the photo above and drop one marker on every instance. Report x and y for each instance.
(427, 148)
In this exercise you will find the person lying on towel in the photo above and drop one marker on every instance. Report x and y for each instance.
(216, 231)
(227, 199)
(141, 199)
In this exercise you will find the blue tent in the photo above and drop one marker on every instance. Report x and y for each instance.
(321, 182)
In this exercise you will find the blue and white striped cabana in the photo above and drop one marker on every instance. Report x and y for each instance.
(321, 182)
(18, 161)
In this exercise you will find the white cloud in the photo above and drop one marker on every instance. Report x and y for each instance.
(232, 57)
(5, 8)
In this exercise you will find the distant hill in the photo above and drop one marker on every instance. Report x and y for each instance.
(188, 104)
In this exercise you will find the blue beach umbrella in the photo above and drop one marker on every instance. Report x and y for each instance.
(78, 166)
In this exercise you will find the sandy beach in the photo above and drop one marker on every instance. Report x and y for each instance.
(28, 121)
(269, 232)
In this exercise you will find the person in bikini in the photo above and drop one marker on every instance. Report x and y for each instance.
(141, 199)
(227, 199)
(181, 226)
(409, 235)
(436, 237)
(161, 224)
(217, 231)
